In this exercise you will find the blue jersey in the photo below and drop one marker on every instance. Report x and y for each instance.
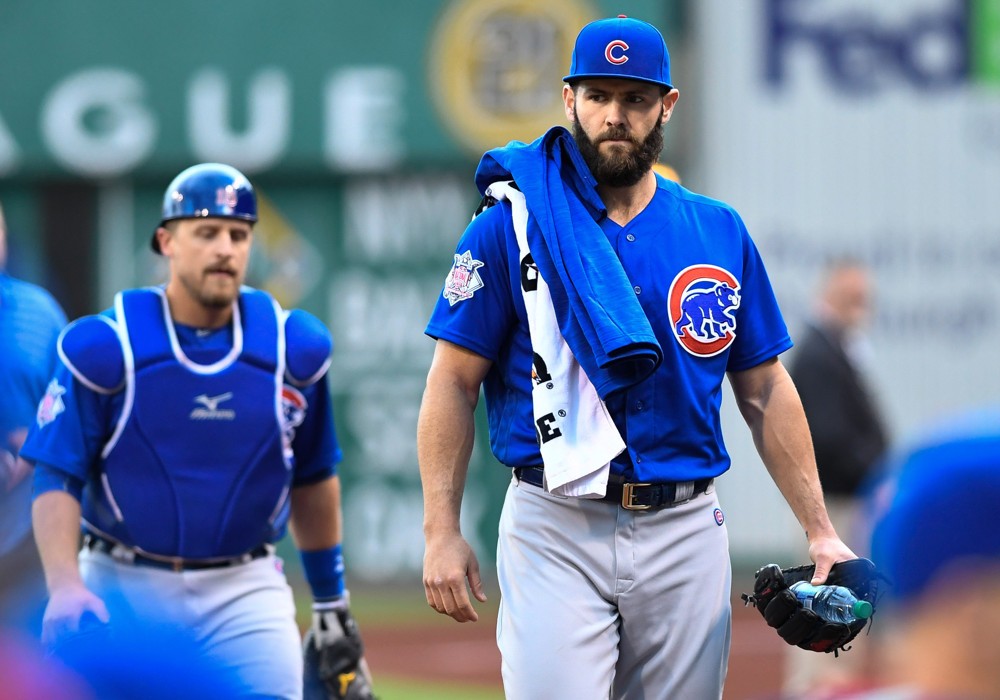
(184, 442)
(700, 281)
(30, 321)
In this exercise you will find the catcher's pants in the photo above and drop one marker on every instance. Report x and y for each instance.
(598, 601)
(242, 617)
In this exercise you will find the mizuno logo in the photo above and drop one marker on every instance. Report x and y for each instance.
(209, 409)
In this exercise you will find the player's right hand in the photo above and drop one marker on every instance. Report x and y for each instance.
(68, 609)
(448, 562)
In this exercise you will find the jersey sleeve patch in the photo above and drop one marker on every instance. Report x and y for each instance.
(463, 280)
(51, 404)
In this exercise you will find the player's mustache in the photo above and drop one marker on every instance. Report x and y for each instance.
(616, 133)
(226, 269)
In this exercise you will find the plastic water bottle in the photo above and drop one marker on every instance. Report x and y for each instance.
(832, 603)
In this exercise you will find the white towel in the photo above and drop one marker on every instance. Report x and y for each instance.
(578, 436)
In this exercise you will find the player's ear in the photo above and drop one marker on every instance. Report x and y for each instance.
(669, 102)
(569, 102)
(164, 237)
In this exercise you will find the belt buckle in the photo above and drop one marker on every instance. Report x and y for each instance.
(628, 492)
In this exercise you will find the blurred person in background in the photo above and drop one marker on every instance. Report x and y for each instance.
(188, 427)
(830, 368)
(30, 322)
(936, 538)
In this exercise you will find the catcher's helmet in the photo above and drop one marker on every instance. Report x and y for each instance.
(208, 189)
(621, 47)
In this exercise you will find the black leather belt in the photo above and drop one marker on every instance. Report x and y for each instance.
(633, 496)
(129, 555)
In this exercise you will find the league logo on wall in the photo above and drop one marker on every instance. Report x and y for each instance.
(496, 66)
(702, 303)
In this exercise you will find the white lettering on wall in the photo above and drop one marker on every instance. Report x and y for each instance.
(94, 122)
(381, 418)
(406, 219)
(97, 121)
(399, 235)
(378, 320)
(364, 115)
(268, 121)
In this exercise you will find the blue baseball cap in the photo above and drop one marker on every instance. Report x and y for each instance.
(942, 493)
(620, 47)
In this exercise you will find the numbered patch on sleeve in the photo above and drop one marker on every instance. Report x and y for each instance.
(463, 280)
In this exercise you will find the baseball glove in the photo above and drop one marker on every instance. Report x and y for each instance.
(799, 626)
(335, 668)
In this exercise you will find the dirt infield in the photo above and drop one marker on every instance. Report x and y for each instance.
(436, 649)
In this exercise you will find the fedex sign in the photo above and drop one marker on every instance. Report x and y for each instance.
(862, 50)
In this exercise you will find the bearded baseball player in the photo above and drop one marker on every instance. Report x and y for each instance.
(188, 427)
(599, 307)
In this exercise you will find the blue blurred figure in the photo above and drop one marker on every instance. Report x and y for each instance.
(145, 661)
(936, 537)
(30, 321)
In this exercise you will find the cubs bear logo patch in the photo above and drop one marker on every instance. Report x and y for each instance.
(702, 304)
(463, 280)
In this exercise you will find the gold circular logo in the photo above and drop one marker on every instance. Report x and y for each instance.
(496, 67)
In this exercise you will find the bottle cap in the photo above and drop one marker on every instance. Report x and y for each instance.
(862, 610)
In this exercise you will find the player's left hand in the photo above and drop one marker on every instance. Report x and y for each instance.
(448, 563)
(72, 609)
(335, 667)
(824, 553)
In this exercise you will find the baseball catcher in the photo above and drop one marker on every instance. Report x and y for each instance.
(335, 668)
(800, 626)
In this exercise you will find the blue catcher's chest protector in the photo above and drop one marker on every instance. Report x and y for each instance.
(195, 467)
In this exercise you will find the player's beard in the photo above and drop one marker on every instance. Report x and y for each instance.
(622, 167)
(205, 295)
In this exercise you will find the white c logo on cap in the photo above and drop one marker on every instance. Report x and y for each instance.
(610, 54)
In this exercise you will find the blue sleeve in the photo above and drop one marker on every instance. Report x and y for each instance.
(762, 331)
(315, 445)
(48, 478)
(475, 308)
(71, 425)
